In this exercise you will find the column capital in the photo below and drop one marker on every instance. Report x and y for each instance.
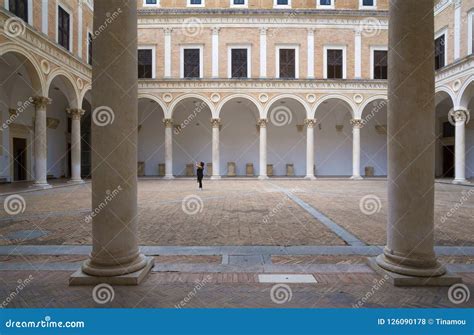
(41, 101)
(310, 123)
(168, 30)
(216, 123)
(357, 123)
(168, 122)
(262, 123)
(459, 115)
(75, 113)
(457, 3)
(358, 31)
(263, 30)
(215, 30)
(310, 31)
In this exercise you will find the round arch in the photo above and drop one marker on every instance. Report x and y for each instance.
(82, 95)
(166, 112)
(237, 96)
(463, 98)
(350, 103)
(374, 98)
(195, 96)
(287, 96)
(71, 93)
(33, 68)
(446, 90)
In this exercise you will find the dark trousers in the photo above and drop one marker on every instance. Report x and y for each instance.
(200, 182)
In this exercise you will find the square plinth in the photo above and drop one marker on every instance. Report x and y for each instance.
(396, 279)
(79, 278)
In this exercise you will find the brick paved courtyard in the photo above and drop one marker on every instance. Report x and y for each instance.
(221, 239)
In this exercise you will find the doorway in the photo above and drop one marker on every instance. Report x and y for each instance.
(448, 161)
(20, 159)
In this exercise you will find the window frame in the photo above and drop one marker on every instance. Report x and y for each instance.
(470, 32)
(344, 59)
(153, 58)
(201, 59)
(319, 6)
(372, 58)
(89, 55)
(151, 5)
(361, 5)
(189, 4)
(29, 10)
(296, 47)
(249, 59)
(276, 5)
(438, 34)
(71, 24)
(232, 5)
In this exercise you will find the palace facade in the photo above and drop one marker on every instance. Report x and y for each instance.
(251, 87)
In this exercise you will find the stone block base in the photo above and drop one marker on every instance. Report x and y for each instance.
(41, 186)
(80, 278)
(76, 181)
(396, 279)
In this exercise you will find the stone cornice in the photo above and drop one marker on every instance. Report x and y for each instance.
(459, 67)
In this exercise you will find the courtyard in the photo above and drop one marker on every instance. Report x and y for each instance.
(222, 239)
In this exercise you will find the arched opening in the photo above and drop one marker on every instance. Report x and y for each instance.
(333, 138)
(444, 152)
(286, 132)
(192, 139)
(374, 138)
(86, 136)
(467, 101)
(239, 140)
(151, 138)
(20, 83)
(63, 95)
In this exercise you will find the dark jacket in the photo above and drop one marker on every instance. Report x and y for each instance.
(200, 172)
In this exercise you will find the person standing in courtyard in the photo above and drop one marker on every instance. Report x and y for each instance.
(200, 173)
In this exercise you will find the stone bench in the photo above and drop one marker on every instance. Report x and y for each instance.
(190, 170)
(290, 170)
(249, 170)
(161, 170)
(269, 170)
(141, 169)
(209, 170)
(231, 171)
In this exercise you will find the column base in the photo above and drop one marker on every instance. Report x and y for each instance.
(215, 177)
(79, 277)
(168, 177)
(76, 181)
(41, 186)
(263, 177)
(460, 181)
(310, 177)
(356, 178)
(396, 279)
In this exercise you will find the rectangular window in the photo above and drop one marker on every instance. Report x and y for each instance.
(239, 2)
(281, 3)
(239, 63)
(145, 63)
(440, 52)
(195, 2)
(151, 2)
(64, 26)
(191, 63)
(369, 3)
(89, 48)
(380, 64)
(19, 8)
(335, 64)
(325, 2)
(287, 58)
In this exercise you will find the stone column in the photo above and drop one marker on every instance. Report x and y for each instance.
(41, 142)
(262, 124)
(356, 126)
(167, 51)
(310, 123)
(409, 257)
(115, 257)
(168, 148)
(310, 53)
(215, 52)
(216, 123)
(263, 52)
(460, 117)
(76, 115)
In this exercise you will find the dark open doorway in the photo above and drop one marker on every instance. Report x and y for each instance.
(448, 161)
(20, 159)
